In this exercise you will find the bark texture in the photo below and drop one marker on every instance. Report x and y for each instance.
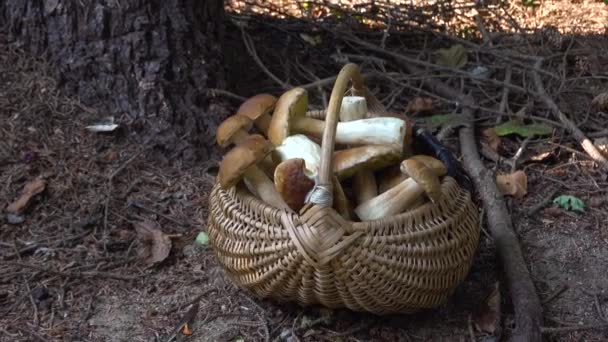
(147, 62)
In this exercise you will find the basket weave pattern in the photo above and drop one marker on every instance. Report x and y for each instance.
(399, 264)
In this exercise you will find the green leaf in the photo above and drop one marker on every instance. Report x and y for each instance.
(202, 239)
(240, 339)
(517, 127)
(443, 120)
(454, 57)
(570, 203)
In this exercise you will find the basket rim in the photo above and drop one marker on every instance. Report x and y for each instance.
(241, 191)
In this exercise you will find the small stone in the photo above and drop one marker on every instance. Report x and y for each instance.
(14, 219)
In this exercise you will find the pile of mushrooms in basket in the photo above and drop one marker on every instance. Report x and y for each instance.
(274, 148)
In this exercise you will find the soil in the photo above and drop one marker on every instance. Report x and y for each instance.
(73, 269)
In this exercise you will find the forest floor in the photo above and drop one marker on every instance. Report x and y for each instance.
(104, 250)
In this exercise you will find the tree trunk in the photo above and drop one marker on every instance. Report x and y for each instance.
(145, 62)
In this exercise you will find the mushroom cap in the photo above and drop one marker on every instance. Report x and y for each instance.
(234, 164)
(434, 164)
(256, 106)
(291, 105)
(292, 183)
(371, 157)
(229, 127)
(426, 176)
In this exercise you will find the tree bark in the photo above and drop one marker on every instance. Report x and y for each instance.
(147, 63)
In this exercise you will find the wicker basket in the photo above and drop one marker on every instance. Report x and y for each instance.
(397, 264)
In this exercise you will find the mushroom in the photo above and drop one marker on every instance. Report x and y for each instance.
(299, 146)
(364, 182)
(348, 162)
(341, 202)
(424, 177)
(345, 163)
(240, 163)
(290, 117)
(292, 182)
(233, 130)
(258, 109)
(390, 177)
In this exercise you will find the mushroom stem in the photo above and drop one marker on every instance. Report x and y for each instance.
(341, 203)
(264, 187)
(390, 202)
(239, 136)
(240, 163)
(372, 131)
(355, 108)
(424, 175)
(290, 117)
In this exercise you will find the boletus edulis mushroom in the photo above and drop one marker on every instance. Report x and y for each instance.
(241, 163)
(258, 109)
(292, 182)
(289, 117)
(345, 162)
(424, 177)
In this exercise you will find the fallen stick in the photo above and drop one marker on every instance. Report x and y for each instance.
(586, 144)
(526, 303)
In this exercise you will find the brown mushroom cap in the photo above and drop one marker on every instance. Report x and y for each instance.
(234, 164)
(372, 157)
(292, 183)
(291, 105)
(258, 108)
(230, 127)
(426, 175)
(434, 164)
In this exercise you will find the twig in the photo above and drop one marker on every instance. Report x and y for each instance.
(556, 293)
(89, 274)
(407, 62)
(549, 330)
(586, 144)
(520, 151)
(214, 92)
(528, 311)
(251, 49)
(487, 39)
(534, 209)
(504, 101)
(29, 289)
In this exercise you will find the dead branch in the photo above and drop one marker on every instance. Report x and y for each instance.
(586, 144)
(528, 310)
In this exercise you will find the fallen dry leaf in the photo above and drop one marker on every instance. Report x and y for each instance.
(186, 330)
(491, 138)
(154, 244)
(30, 190)
(601, 101)
(513, 184)
(419, 104)
(487, 318)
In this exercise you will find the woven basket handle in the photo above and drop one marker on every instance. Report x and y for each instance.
(322, 193)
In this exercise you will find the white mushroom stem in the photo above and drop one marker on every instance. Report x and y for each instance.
(393, 201)
(372, 131)
(353, 108)
(364, 182)
(258, 183)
